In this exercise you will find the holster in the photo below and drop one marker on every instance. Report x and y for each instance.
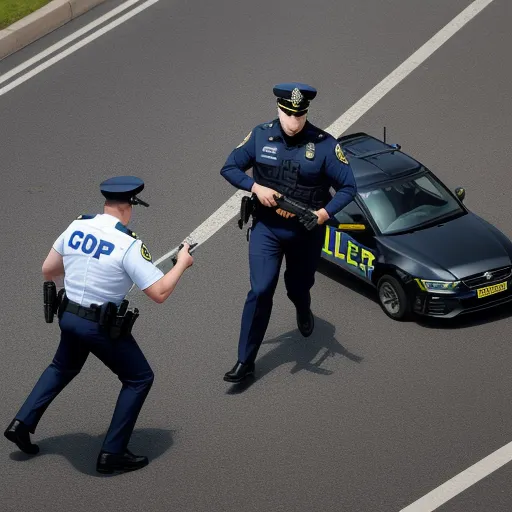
(248, 209)
(52, 300)
(117, 323)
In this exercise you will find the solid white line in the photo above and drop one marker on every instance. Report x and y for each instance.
(230, 209)
(52, 49)
(76, 46)
(462, 481)
(409, 65)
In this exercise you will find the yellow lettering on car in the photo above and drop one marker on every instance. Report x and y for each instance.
(327, 240)
(337, 245)
(341, 247)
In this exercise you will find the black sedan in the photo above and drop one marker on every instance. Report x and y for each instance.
(414, 240)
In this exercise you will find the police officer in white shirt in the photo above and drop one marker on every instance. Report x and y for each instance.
(100, 259)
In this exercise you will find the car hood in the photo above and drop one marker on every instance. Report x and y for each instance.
(462, 247)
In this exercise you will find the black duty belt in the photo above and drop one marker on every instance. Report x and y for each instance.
(82, 311)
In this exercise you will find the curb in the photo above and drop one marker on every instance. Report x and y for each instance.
(41, 22)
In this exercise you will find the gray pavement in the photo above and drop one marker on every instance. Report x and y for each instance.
(367, 414)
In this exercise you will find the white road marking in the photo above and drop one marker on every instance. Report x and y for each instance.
(57, 46)
(232, 207)
(76, 47)
(462, 481)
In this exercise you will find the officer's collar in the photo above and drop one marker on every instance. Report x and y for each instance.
(111, 219)
(302, 138)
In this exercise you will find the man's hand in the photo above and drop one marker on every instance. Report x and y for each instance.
(265, 195)
(322, 215)
(184, 258)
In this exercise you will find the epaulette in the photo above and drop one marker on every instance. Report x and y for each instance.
(84, 217)
(321, 135)
(124, 229)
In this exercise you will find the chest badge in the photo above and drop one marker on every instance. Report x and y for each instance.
(310, 151)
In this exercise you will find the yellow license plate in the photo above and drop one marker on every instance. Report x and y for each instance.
(491, 290)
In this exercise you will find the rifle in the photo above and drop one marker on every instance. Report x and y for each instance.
(305, 215)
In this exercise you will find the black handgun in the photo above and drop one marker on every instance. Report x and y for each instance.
(190, 251)
(305, 215)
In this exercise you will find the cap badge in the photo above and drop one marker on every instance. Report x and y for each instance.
(296, 97)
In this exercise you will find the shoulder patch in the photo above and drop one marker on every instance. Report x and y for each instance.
(245, 140)
(84, 217)
(339, 154)
(125, 230)
(145, 252)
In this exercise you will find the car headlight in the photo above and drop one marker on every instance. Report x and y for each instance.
(429, 285)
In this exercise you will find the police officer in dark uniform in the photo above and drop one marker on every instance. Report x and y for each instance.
(293, 158)
(100, 259)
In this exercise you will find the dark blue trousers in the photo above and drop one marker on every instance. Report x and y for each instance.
(79, 337)
(270, 241)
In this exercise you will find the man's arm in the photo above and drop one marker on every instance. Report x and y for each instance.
(53, 266)
(342, 178)
(148, 277)
(239, 162)
(160, 291)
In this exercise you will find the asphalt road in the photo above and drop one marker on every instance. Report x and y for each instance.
(367, 415)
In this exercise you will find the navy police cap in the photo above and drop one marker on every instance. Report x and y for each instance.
(123, 188)
(294, 97)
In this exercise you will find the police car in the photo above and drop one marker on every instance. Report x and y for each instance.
(414, 240)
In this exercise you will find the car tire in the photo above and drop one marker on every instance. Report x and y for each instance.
(392, 298)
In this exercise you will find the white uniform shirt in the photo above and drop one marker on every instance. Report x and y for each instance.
(102, 259)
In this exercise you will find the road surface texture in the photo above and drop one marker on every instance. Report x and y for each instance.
(367, 415)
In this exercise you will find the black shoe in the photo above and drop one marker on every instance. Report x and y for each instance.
(120, 462)
(239, 372)
(18, 433)
(305, 322)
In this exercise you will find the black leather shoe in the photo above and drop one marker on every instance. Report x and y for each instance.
(120, 462)
(239, 372)
(305, 322)
(19, 434)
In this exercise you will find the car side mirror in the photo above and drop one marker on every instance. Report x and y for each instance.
(460, 193)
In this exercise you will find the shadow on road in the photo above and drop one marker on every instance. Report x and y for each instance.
(307, 353)
(81, 449)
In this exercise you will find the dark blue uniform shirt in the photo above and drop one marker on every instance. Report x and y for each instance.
(303, 167)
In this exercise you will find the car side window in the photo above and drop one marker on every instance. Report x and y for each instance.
(351, 214)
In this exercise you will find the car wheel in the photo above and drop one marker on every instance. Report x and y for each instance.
(392, 298)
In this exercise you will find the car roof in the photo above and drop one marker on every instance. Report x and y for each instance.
(373, 161)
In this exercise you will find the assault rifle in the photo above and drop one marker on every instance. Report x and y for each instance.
(305, 215)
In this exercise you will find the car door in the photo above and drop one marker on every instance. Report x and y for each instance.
(350, 242)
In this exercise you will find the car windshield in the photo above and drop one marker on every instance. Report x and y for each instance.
(407, 205)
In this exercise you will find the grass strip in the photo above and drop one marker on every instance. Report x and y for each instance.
(13, 10)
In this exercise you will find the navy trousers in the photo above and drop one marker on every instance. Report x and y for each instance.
(270, 241)
(79, 337)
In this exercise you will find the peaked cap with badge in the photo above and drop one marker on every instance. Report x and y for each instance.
(294, 98)
(123, 188)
